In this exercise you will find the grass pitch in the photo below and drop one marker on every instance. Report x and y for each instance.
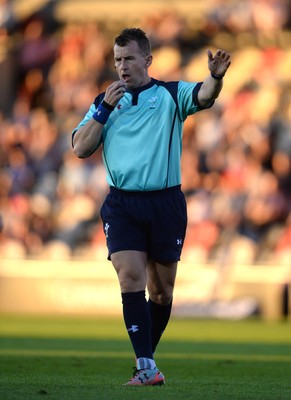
(68, 358)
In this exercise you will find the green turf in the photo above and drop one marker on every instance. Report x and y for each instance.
(61, 358)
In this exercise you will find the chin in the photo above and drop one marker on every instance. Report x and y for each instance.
(129, 86)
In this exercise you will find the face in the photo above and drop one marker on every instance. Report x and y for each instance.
(131, 65)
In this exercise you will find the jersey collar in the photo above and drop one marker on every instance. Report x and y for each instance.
(135, 92)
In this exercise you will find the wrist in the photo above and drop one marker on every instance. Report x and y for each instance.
(103, 112)
(217, 77)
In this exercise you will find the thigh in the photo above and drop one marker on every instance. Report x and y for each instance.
(161, 281)
(130, 266)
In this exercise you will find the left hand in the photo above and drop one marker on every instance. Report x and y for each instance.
(218, 63)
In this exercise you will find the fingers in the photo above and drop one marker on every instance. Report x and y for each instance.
(115, 92)
(222, 54)
(219, 55)
(220, 62)
(118, 87)
(121, 90)
(210, 55)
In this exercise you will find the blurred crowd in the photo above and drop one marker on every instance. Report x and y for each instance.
(236, 164)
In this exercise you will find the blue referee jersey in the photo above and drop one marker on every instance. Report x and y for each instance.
(142, 139)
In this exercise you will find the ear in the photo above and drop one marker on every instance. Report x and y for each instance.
(148, 61)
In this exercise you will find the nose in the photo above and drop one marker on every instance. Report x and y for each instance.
(123, 64)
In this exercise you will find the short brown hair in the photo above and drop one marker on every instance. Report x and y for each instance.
(136, 34)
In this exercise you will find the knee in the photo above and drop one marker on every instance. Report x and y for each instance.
(131, 270)
(163, 298)
(130, 280)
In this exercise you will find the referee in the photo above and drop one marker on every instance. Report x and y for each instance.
(138, 121)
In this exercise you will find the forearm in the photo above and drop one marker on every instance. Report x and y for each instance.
(209, 90)
(87, 138)
(211, 87)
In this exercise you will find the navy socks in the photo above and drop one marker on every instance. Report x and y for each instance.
(137, 320)
(160, 316)
(145, 322)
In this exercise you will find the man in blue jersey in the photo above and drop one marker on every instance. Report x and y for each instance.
(139, 120)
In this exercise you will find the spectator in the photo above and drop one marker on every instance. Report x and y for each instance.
(236, 156)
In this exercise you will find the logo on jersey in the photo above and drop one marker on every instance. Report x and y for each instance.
(179, 242)
(133, 328)
(152, 101)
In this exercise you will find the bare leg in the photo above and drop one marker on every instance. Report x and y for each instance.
(161, 281)
(131, 270)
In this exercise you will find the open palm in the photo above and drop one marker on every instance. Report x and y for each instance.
(218, 63)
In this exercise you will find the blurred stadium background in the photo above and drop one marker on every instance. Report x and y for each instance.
(55, 56)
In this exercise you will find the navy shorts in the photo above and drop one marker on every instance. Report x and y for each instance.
(153, 222)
